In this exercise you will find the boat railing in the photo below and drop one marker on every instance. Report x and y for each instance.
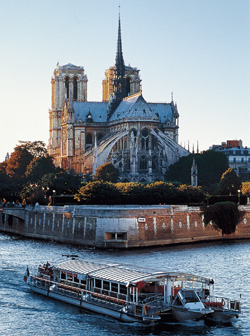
(138, 309)
(152, 297)
(222, 302)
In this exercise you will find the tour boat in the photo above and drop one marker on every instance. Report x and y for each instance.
(124, 292)
(224, 310)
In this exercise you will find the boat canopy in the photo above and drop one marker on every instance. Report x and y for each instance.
(123, 273)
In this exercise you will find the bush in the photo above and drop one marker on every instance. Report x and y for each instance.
(224, 216)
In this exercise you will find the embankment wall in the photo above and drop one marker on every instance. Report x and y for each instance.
(117, 226)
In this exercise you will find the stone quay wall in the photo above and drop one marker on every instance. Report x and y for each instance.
(117, 226)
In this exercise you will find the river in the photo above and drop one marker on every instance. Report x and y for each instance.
(25, 313)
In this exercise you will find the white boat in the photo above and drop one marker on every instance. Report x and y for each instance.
(124, 292)
(224, 310)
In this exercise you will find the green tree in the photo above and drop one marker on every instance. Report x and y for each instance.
(230, 183)
(132, 193)
(36, 148)
(224, 216)
(210, 164)
(106, 172)
(38, 167)
(98, 192)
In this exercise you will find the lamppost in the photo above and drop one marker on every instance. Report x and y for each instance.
(54, 194)
(239, 196)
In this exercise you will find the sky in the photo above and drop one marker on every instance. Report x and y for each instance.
(197, 49)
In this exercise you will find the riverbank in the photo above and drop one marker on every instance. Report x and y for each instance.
(124, 226)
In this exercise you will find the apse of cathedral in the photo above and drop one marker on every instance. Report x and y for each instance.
(140, 138)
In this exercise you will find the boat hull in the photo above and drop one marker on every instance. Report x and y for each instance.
(104, 309)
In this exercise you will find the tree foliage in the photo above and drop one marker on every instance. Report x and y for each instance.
(18, 162)
(230, 183)
(98, 192)
(210, 164)
(38, 167)
(36, 148)
(245, 188)
(224, 216)
(106, 172)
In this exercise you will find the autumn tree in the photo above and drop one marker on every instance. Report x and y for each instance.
(230, 183)
(106, 172)
(18, 162)
(245, 188)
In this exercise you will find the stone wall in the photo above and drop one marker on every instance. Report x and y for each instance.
(117, 226)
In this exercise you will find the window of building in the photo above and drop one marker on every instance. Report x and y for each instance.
(89, 139)
(242, 159)
(143, 162)
(67, 87)
(75, 89)
(145, 139)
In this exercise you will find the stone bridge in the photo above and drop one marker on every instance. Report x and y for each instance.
(15, 212)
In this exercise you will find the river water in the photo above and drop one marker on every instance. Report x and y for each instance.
(25, 313)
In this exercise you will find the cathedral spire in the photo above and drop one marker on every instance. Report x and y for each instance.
(119, 62)
(120, 81)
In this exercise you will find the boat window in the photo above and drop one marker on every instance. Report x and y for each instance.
(63, 275)
(98, 283)
(190, 296)
(114, 287)
(123, 289)
(106, 285)
(75, 278)
(178, 301)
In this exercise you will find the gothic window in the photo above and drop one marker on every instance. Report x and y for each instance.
(128, 80)
(145, 139)
(143, 162)
(154, 162)
(89, 139)
(99, 136)
(154, 142)
(67, 87)
(75, 89)
(133, 138)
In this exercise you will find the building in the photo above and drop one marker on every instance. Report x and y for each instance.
(238, 157)
(140, 138)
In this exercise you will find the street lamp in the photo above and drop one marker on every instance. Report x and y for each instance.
(54, 194)
(239, 196)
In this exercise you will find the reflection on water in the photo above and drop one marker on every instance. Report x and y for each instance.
(26, 313)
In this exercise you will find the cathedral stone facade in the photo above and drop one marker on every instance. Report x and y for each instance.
(140, 138)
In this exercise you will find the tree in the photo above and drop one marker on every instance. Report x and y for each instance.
(98, 192)
(38, 167)
(224, 216)
(245, 188)
(230, 183)
(18, 162)
(106, 172)
(36, 148)
(210, 164)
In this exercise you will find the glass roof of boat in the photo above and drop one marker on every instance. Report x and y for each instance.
(123, 273)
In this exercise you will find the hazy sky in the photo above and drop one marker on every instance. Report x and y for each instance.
(197, 49)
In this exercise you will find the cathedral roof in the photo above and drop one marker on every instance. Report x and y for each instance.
(163, 110)
(131, 108)
(70, 66)
(98, 111)
(134, 107)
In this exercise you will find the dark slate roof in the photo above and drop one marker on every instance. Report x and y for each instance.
(164, 110)
(134, 107)
(98, 111)
(131, 108)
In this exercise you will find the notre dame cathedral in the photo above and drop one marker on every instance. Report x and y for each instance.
(138, 137)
